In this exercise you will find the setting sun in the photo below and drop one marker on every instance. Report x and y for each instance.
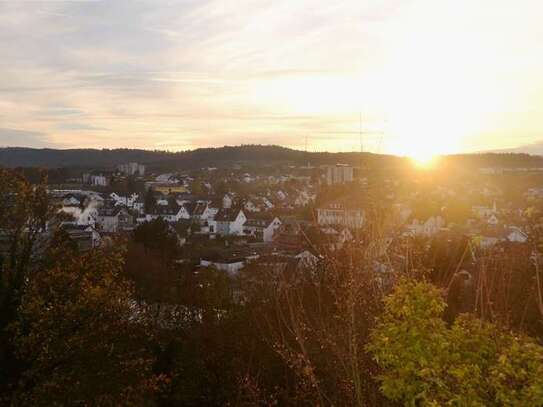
(425, 161)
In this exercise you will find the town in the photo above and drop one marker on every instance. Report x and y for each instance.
(238, 216)
(211, 249)
(271, 203)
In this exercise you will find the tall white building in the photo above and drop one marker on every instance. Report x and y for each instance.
(339, 174)
(132, 169)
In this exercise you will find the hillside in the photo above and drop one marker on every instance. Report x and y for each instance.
(247, 154)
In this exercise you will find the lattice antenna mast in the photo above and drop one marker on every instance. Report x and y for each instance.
(306, 154)
(360, 133)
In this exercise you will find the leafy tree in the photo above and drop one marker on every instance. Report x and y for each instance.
(197, 188)
(471, 363)
(157, 235)
(79, 333)
(24, 213)
(149, 201)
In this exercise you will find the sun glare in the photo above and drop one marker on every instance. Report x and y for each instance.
(424, 161)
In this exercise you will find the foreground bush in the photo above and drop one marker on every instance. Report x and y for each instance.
(471, 363)
(78, 336)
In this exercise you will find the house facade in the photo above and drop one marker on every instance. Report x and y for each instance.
(169, 213)
(340, 213)
(229, 222)
(113, 220)
(262, 228)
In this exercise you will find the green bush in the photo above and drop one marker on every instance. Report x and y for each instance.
(471, 363)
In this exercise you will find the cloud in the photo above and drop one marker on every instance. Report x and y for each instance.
(192, 73)
(23, 138)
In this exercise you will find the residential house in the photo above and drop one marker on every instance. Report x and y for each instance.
(341, 212)
(171, 212)
(85, 236)
(99, 180)
(516, 235)
(230, 261)
(250, 206)
(230, 222)
(263, 228)
(492, 235)
(200, 211)
(227, 201)
(168, 178)
(428, 228)
(133, 201)
(114, 219)
(73, 200)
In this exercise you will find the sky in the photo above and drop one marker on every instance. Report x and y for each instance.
(409, 77)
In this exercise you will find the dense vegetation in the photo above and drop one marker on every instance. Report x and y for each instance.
(257, 155)
(125, 324)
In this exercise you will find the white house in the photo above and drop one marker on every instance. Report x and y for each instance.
(307, 259)
(71, 200)
(336, 236)
(230, 222)
(281, 195)
(85, 236)
(341, 213)
(200, 210)
(169, 213)
(99, 180)
(250, 206)
(227, 201)
(516, 235)
(493, 220)
(304, 198)
(131, 201)
(168, 178)
(230, 266)
(494, 235)
(113, 220)
(262, 228)
(428, 228)
(484, 212)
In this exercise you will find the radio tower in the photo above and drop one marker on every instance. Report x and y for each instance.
(306, 154)
(360, 131)
(361, 144)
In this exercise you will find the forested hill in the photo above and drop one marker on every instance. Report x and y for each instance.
(248, 154)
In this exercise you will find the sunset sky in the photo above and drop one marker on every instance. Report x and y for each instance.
(425, 76)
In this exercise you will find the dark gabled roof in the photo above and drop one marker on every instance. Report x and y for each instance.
(259, 221)
(196, 208)
(190, 207)
(171, 209)
(79, 197)
(199, 209)
(232, 255)
(71, 227)
(111, 210)
(227, 215)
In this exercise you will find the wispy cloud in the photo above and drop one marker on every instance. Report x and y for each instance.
(190, 73)
(23, 138)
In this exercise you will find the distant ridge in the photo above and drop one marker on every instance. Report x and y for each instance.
(533, 149)
(109, 158)
(260, 155)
